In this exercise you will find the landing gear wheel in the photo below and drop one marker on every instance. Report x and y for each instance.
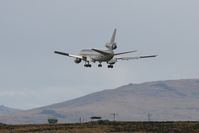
(87, 65)
(100, 65)
(110, 66)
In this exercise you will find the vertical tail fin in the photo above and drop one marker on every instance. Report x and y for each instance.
(113, 36)
(112, 44)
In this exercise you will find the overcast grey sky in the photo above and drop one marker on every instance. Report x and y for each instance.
(30, 30)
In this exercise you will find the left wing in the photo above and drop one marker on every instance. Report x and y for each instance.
(138, 57)
(69, 55)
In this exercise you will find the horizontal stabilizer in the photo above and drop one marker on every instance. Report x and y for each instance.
(101, 52)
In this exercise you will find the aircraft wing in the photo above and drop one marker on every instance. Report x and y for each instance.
(125, 52)
(138, 57)
(69, 55)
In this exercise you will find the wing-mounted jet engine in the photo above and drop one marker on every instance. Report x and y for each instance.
(77, 60)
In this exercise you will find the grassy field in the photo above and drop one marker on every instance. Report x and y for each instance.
(106, 127)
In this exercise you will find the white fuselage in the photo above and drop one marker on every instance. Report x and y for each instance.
(94, 56)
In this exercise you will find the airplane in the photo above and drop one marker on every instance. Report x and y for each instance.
(97, 55)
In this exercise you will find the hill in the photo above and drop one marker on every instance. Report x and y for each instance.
(7, 110)
(174, 100)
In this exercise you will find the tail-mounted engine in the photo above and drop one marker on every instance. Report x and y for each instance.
(112, 46)
(77, 60)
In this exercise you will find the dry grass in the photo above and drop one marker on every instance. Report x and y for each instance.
(111, 127)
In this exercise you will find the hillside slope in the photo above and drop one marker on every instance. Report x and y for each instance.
(163, 100)
(7, 110)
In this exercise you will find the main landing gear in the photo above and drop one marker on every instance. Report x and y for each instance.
(110, 66)
(87, 64)
(100, 65)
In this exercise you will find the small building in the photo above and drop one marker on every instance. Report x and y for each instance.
(95, 118)
(52, 120)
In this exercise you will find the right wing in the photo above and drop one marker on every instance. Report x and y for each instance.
(69, 55)
(125, 52)
(138, 57)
